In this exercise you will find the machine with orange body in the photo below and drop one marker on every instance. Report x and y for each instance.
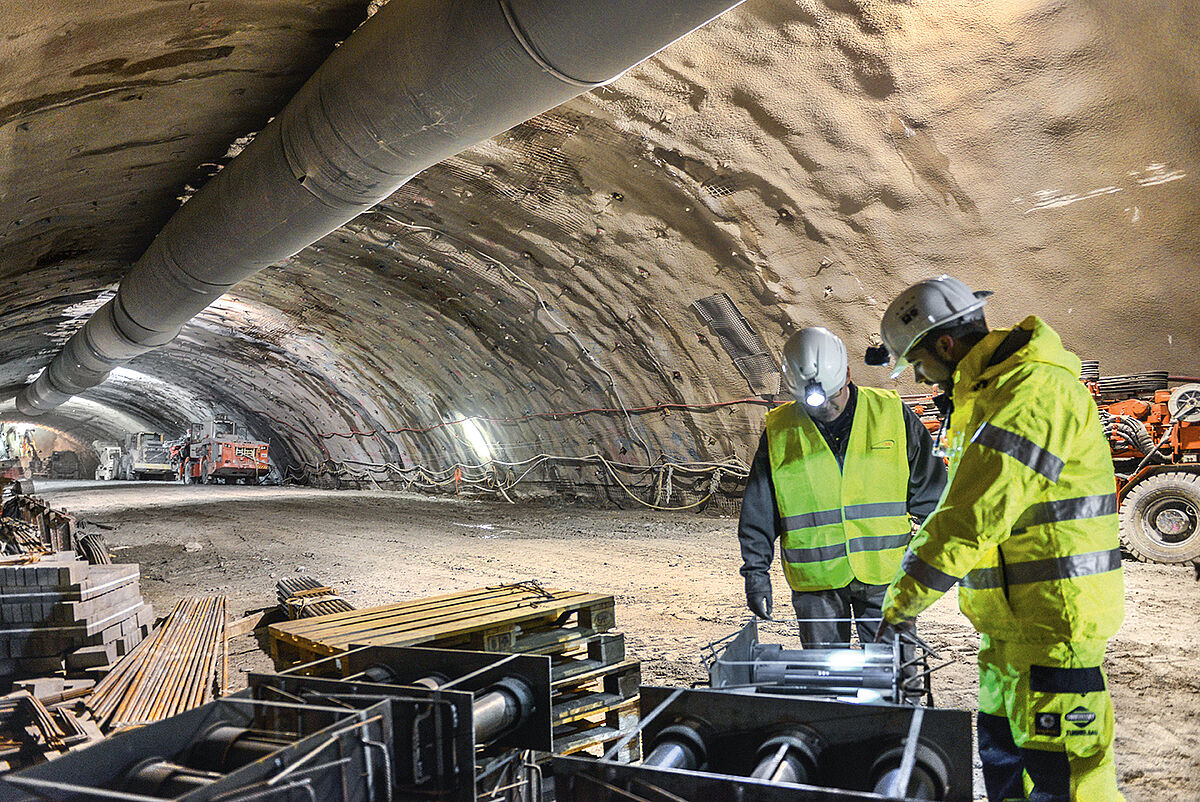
(1155, 441)
(216, 451)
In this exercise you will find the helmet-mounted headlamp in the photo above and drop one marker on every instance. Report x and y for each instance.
(814, 393)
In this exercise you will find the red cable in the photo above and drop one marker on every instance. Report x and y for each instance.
(511, 421)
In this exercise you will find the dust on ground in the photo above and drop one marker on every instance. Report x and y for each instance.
(674, 577)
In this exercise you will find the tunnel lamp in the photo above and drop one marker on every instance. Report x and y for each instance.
(475, 437)
(814, 394)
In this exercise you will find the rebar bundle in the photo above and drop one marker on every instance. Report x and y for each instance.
(169, 672)
(305, 597)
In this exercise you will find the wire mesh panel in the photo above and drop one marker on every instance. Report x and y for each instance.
(743, 344)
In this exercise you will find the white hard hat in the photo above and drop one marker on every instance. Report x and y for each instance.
(923, 307)
(814, 365)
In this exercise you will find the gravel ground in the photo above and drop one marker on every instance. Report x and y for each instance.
(674, 576)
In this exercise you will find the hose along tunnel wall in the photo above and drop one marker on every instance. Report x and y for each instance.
(417, 83)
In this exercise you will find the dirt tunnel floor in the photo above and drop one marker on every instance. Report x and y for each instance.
(674, 576)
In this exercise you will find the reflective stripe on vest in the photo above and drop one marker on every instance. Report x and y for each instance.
(841, 523)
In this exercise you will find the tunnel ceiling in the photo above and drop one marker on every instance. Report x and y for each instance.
(807, 159)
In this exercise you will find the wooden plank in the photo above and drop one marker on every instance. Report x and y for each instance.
(408, 612)
(401, 617)
(432, 604)
(578, 672)
(580, 734)
(579, 707)
(244, 626)
(401, 625)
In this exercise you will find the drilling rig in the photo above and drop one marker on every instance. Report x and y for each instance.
(1154, 433)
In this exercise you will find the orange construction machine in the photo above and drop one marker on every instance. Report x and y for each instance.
(1154, 432)
(216, 451)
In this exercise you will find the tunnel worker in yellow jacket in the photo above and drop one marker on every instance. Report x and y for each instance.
(837, 474)
(1027, 529)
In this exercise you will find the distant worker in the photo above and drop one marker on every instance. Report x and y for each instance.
(836, 476)
(1028, 530)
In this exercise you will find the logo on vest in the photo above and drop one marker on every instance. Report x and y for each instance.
(1080, 717)
(1047, 724)
(883, 444)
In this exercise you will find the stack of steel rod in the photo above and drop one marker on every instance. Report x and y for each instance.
(305, 597)
(168, 673)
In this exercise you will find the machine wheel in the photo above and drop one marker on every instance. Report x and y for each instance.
(1160, 518)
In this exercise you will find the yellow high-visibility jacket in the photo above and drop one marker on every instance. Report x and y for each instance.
(841, 522)
(1027, 526)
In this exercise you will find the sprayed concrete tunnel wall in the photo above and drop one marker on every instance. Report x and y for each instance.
(807, 159)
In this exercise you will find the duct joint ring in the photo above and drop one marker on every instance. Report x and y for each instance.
(523, 38)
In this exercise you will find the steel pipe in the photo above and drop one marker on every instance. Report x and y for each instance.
(418, 82)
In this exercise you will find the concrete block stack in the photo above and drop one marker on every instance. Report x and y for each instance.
(61, 613)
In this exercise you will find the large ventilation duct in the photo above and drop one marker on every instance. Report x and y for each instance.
(418, 82)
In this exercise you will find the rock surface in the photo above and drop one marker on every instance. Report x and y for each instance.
(807, 158)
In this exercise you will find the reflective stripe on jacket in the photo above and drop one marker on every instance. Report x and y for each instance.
(1028, 524)
(841, 522)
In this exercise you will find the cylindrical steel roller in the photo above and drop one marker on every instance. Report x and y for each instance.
(930, 778)
(680, 746)
(790, 757)
(501, 708)
(226, 747)
(162, 778)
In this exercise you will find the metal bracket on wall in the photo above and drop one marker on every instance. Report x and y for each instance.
(743, 344)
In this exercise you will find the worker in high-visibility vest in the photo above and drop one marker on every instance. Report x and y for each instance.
(1027, 528)
(836, 476)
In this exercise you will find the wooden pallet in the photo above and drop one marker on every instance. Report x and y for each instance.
(489, 619)
(595, 686)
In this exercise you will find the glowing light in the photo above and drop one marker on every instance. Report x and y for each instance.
(814, 395)
(476, 439)
(847, 660)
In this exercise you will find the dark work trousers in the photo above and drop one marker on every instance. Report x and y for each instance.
(861, 601)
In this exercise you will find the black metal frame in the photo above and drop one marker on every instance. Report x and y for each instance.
(738, 723)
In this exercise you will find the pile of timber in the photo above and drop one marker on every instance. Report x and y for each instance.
(57, 611)
(54, 529)
(170, 672)
(595, 687)
(305, 597)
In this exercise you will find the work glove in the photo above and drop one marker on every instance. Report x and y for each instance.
(888, 632)
(758, 595)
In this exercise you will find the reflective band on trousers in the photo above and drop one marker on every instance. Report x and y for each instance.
(1067, 509)
(1047, 570)
(854, 512)
(1023, 450)
(881, 543)
(926, 574)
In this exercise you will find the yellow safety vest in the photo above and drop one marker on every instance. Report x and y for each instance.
(841, 523)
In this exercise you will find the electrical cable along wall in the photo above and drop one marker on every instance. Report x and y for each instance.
(664, 483)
